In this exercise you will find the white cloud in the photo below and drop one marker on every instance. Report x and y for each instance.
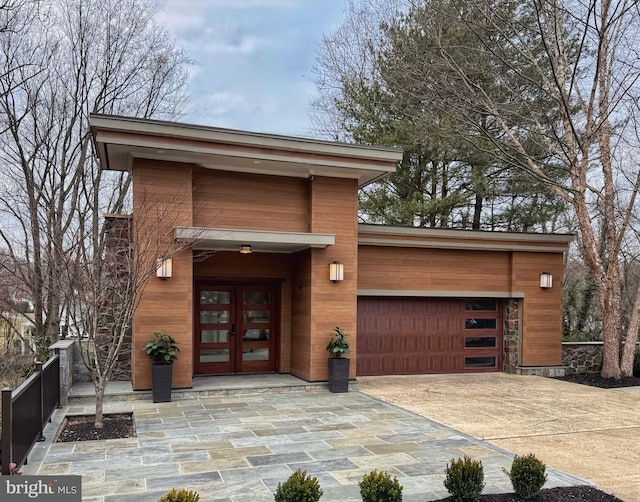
(223, 103)
(178, 22)
(252, 59)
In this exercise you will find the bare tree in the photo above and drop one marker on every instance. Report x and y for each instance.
(582, 55)
(108, 275)
(76, 57)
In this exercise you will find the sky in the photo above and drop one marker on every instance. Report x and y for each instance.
(251, 60)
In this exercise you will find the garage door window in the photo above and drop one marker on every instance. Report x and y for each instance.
(490, 305)
(480, 323)
(479, 362)
(480, 342)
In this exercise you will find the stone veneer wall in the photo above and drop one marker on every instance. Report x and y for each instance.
(511, 337)
(121, 371)
(66, 351)
(582, 357)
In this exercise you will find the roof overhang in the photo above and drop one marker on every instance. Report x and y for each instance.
(121, 140)
(381, 235)
(224, 239)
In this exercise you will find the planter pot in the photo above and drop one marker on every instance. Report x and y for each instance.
(161, 382)
(339, 374)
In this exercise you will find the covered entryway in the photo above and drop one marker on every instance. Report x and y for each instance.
(405, 336)
(236, 328)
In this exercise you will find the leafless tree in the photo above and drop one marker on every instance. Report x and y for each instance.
(74, 58)
(583, 55)
(108, 275)
(345, 55)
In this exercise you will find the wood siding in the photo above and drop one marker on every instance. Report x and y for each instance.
(162, 201)
(432, 269)
(541, 308)
(301, 314)
(333, 210)
(249, 201)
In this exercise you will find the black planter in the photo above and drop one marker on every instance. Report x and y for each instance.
(339, 374)
(161, 382)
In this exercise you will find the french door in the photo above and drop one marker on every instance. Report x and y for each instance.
(236, 328)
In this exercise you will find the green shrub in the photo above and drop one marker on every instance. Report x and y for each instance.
(636, 364)
(464, 479)
(180, 496)
(379, 487)
(299, 488)
(527, 475)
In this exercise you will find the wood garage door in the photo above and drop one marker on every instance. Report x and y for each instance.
(409, 336)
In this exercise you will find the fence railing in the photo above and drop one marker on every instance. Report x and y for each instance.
(26, 410)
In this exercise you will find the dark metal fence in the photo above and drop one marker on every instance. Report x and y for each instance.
(26, 410)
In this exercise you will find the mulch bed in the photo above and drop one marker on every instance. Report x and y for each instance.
(81, 428)
(569, 494)
(595, 380)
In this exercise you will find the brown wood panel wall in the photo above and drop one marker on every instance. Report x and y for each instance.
(301, 314)
(249, 201)
(228, 265)
(541, 309)
(161, 201)
(432, 269)
(333, 210)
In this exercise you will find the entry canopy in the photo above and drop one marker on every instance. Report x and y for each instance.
(121, 140)
(224, 239)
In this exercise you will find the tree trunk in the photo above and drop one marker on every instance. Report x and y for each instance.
(99, 418)
(629, 350)
(610, 311)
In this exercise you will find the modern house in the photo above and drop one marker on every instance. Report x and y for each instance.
(273, 258)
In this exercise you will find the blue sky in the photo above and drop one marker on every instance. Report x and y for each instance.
(252, 60)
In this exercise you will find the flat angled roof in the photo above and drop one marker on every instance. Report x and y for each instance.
(120, 140)
(396, 236)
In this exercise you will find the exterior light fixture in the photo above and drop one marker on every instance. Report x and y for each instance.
(164, 267)
(546, 280)
(336, 271)
(245, 249)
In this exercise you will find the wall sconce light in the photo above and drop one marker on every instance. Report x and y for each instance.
(336, 271)
(546, 280)
(164, 267)
(245, 249)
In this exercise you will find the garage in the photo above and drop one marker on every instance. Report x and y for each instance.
(409, 335)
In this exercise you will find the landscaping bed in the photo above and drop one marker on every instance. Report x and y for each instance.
(568, 494)
(81, 428)
(595, 380)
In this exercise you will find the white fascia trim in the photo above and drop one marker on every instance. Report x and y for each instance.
(245, 138)
(440, 293)
(203, 235)
(364, 228)
(407, 243)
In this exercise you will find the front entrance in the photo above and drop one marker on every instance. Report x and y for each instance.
(236, 327)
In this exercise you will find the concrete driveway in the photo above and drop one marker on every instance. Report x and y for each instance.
(585, 431)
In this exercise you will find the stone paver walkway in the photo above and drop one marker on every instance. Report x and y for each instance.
(238, 448)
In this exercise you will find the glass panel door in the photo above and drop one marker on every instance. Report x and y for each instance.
(235, 327)
(256, 328)
(214, 348)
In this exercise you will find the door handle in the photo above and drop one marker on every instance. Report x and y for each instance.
(233, 330)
